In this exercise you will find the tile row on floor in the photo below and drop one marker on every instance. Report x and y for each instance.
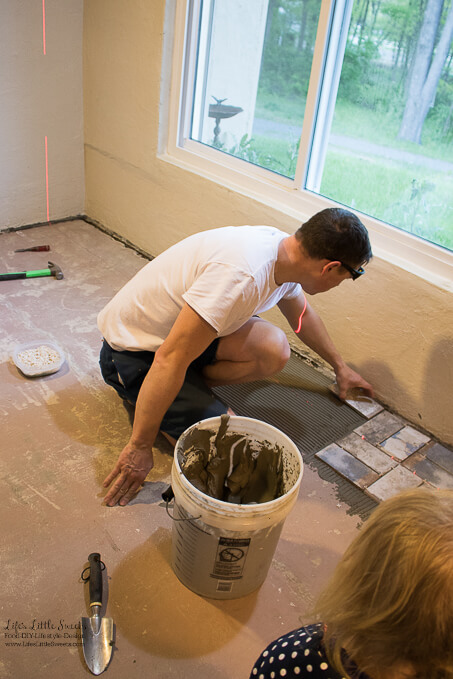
(386, 455)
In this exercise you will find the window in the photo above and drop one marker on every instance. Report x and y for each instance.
(340, 102)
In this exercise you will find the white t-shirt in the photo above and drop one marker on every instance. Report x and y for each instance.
(226, 275)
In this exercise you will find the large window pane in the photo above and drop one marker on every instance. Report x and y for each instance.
(390, 151)
(253, 70)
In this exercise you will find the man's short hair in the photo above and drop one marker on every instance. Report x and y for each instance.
(336, 234)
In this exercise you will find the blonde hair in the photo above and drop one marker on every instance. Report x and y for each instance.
(390, 600)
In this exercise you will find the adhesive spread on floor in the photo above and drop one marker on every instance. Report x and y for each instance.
(299, 403)
(232, 467)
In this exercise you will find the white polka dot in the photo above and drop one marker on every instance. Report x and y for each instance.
(309, 668)
(285, 643)
(296, 670)
(272, 675)
(261, 676)
(307, 651)
(271, 659)
(294, 654)
(296, 643)
(324, 666)
(308, 639)
(283, 672)
(255, 671)
(281, 656)
(274, 647)
(265, 654)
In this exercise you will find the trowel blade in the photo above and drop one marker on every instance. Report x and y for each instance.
(97, 646)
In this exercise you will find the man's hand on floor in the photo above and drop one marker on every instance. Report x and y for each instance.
(348, 379)
(130, 471)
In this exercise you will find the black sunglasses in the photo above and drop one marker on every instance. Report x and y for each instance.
(355, 273)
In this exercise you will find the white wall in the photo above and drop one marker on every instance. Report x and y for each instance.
(40, 95)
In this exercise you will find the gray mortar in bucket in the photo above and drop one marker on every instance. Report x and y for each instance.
(233, 466)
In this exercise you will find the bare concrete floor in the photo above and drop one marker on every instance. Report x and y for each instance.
(60, 436)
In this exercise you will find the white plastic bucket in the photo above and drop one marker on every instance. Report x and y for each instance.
(224, 550)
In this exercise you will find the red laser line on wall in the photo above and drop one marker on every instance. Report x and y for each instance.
(44, 26)
(47, 179)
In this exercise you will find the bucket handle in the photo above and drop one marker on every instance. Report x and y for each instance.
(167, 496)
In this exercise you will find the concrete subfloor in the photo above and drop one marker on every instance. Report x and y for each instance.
(61, 435)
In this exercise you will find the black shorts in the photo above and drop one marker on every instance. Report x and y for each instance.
(126, 370)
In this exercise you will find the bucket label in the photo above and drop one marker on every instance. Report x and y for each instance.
(230, 558)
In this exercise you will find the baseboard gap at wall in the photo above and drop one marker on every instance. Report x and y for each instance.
(10, 229)
(88, 220)
(310, 359)
(116, 236)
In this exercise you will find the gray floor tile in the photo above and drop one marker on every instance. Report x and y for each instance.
(347, 465)
(380, 427)
(431, 472)
(367, 453)
(395, 481)
(440, 455)
(405, 442)
(364, 405)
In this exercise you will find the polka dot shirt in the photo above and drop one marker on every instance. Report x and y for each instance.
(297, 654)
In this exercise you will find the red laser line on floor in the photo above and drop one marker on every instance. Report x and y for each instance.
(44, 26)
(47, 179)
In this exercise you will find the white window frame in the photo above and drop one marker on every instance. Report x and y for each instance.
(413, 254)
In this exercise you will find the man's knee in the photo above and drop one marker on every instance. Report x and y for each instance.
(274, 353)
(259, 349)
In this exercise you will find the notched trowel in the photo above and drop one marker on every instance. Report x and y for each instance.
(97, 632)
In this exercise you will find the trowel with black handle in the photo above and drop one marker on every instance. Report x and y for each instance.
(97, 632)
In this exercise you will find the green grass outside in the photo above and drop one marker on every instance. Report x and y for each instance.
(272, 107)
(417, 200)
(354, 121)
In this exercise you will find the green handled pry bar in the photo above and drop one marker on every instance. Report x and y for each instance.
(52, 270)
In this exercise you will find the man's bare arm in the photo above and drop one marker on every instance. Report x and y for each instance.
(312, 331)
(188, 338)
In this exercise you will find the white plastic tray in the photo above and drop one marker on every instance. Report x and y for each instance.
(32, 362)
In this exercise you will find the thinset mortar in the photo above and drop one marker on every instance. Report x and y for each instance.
(232, 467)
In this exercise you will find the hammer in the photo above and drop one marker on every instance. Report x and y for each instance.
(52, 270)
